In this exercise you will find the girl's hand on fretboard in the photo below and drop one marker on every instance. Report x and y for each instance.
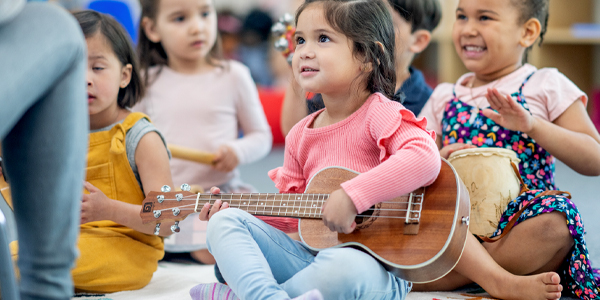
(207, 212)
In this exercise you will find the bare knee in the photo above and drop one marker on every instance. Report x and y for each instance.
(553, 227)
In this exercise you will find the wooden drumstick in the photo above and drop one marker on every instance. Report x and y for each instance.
(191, 154)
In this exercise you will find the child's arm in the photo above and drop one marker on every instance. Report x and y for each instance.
(257, 140)
(571, 138)
(294, 107)
(410, 159)
(445, 152)
(153, 165)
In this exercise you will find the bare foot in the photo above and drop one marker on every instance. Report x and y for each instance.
(545, 286)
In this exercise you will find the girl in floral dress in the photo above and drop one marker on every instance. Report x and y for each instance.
(508, 104)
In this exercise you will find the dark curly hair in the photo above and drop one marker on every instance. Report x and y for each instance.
(421, 14)
(536, 9)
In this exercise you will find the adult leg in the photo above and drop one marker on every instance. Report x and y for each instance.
(44, 126)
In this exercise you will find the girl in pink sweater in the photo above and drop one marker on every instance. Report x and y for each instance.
(344, 50)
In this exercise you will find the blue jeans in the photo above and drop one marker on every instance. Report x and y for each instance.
(44, 127)
(261, 262)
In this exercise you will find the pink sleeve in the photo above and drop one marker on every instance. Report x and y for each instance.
(433, 110)
(559, 92)
(409, 156)
(289, 178)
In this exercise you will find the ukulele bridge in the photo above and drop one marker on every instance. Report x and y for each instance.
(413, 213)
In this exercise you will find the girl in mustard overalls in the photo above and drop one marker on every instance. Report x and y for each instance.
(127, 157)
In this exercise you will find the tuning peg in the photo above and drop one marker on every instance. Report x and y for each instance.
(157, 229)
(175, 227)
(165, 188)
(186, 187)
(176, 211)
(282, 44)
(289, 58)
(157, 213)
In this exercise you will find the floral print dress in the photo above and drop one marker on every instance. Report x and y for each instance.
(463, 123)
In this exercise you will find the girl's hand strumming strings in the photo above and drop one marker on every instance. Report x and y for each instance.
(226, 160)
(207, 212)
(339, 212)
(509, 113)
(95, 206)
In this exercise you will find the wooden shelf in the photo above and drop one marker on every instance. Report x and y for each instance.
(553, 36)
(565, 36)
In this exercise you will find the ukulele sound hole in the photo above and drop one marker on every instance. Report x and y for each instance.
(367, 217)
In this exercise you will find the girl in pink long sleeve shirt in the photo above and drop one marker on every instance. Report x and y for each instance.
(351, 64)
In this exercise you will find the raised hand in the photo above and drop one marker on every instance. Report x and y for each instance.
(509, 113)
(339, 212)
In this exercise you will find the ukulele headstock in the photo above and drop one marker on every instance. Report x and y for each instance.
(168, 206)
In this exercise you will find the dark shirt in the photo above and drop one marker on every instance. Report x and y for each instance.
(413, 94)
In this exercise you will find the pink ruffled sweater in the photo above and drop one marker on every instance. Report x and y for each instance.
(382, 140)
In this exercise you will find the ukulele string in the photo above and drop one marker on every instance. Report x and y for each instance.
(265, 209)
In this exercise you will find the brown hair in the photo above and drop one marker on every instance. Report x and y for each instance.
(421, 14)
(153, 54)
(368, 24)
(92, 22)
(536, 9)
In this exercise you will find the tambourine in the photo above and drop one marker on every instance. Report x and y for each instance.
(284, 32)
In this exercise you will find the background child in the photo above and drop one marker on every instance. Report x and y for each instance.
(127, 156)
(345, 51)
(414, 20)
(199, 101)
(544, 114)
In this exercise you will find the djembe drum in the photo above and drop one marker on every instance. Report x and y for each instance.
(492, 182)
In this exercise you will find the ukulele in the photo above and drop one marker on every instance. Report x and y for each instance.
(418, 237)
